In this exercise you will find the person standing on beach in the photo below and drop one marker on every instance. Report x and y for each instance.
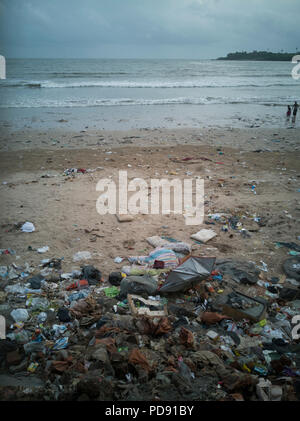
(288, 114)
(295, 110)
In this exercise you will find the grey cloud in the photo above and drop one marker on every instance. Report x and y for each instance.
(150, 28)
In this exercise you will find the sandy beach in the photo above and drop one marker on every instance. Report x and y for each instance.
(181, 120)
(34, 188)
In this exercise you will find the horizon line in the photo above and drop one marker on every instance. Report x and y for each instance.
(106, 58)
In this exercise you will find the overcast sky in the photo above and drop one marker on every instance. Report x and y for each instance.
(146, 28)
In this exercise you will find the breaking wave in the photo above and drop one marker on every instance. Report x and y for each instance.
(142, 84)
(207, 100)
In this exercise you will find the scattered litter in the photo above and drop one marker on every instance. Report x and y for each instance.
(43, 249)
(166, 256)
(184, 327)
(169, 243)
(28, 227)
(82, 255)
(145, 310)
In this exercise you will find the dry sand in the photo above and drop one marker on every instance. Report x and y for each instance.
(64, 208)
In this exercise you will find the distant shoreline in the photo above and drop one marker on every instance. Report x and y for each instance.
(259, 56)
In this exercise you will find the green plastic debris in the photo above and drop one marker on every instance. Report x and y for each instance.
(123, 304)
(112, 292)
(151, 272)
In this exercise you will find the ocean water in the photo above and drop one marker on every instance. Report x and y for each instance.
(122, 94)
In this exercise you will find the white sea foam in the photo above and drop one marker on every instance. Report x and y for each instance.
(37, 103)
(128, 83)
(144, 84)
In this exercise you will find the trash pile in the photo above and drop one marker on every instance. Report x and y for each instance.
(167, 326)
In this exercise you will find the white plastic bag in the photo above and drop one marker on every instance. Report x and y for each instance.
(28, 227)
(204, 235)
(20, 315)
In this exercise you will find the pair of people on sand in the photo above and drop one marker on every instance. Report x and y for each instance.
(289, 112)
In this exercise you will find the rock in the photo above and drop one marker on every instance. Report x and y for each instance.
(125, 218)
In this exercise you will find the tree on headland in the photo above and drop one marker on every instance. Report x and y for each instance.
(259, 56)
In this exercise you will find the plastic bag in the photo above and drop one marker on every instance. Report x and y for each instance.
(20, 315)
(204, 235)
(28, 227)
(38, 303)
(138, 285)
(161, 254)
(176, 246)
(82, 255)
